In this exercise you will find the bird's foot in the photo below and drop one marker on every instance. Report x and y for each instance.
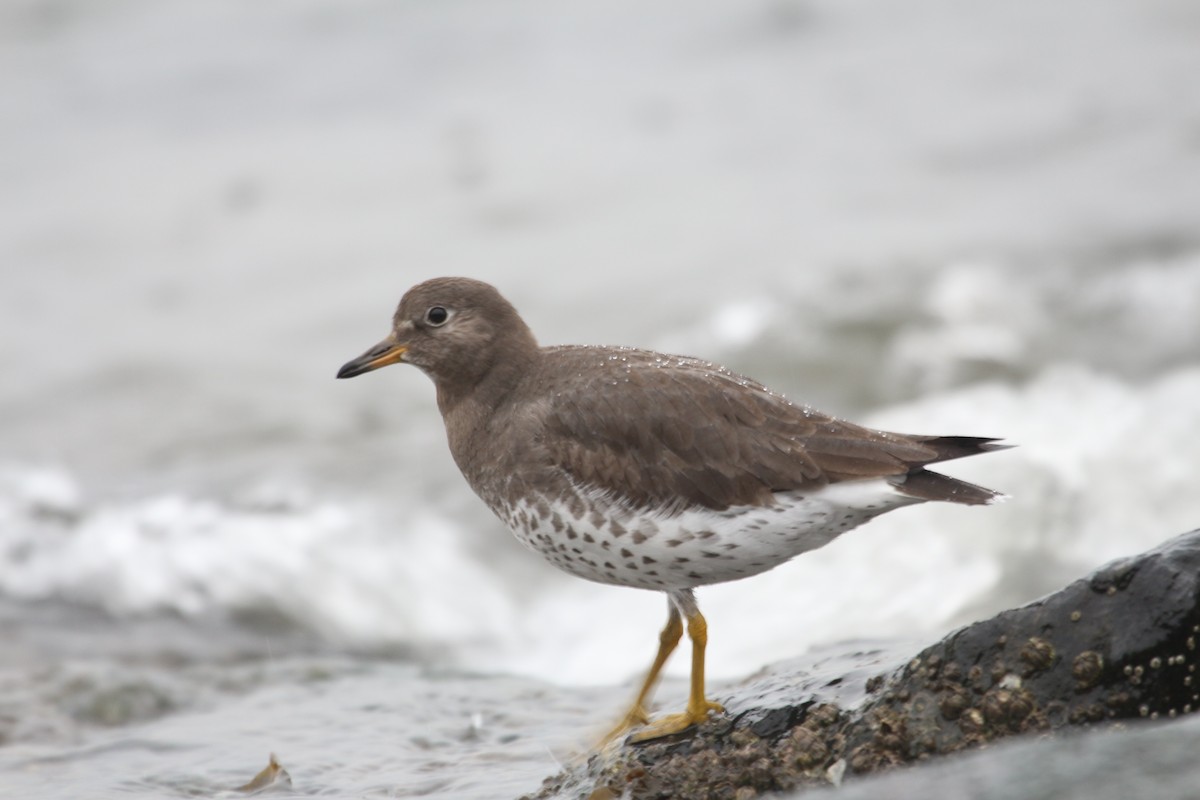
(695, 714)
(635, 717)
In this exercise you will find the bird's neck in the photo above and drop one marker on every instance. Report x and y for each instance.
(472, 415)
(465, 404)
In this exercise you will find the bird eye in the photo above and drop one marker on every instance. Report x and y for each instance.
(437, 316)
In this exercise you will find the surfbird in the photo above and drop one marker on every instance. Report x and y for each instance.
(654, 471)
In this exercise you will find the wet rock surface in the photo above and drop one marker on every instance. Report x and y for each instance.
(1117, 645)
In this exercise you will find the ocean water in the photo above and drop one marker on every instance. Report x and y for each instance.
(938, 217)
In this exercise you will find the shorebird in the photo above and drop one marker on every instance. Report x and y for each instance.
(653, 471)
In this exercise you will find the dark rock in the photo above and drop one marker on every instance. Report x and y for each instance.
(1117, 645)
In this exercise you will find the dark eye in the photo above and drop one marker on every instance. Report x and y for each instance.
(437, 316)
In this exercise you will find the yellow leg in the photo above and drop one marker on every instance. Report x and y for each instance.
(637, 715)
(698, 707)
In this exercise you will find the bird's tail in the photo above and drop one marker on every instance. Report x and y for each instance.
(951, 447)
(924, 484)
(928, 485)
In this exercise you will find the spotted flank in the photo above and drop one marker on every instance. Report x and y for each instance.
(609, 543)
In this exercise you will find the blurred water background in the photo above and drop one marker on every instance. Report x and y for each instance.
(935, 216)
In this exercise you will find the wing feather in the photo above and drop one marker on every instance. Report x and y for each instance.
(692, 433)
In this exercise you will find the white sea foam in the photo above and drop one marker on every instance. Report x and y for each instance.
(332, 569)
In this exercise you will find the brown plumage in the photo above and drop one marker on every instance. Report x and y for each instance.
(642, 469)
(660, 431)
